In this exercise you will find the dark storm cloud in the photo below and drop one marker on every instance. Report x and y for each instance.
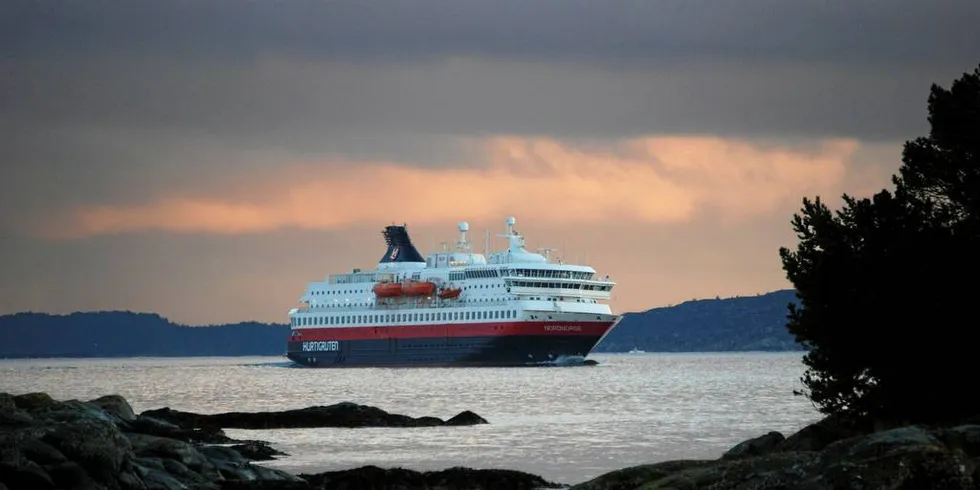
(566, 68)
(547, 30)
(116, 100)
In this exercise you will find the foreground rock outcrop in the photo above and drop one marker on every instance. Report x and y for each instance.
(830, 454)
(103, 445)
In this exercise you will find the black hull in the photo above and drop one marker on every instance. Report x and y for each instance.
(489, 351)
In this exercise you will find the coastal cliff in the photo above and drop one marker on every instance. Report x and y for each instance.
(102, 444)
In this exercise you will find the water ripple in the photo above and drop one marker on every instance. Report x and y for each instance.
(567, 424)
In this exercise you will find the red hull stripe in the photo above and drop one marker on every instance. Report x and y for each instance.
(594, 329)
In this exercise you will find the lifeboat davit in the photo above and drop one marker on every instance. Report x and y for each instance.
(387, 289)
(449, 293)
(418, 288)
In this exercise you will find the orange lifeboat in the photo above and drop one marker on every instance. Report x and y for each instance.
(449, 293)
(387, 289)
(418, 288)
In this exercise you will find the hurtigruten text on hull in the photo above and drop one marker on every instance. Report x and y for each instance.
(453, 308)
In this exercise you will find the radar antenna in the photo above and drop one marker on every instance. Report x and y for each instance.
(547, 252)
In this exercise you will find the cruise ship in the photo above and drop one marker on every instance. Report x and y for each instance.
(453, 308)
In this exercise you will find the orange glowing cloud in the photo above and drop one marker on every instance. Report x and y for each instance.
(652, 180)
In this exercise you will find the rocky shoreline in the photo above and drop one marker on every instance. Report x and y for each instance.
(103, 444)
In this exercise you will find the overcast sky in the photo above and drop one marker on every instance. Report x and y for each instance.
(204, 160)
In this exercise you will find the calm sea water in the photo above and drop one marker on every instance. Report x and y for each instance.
(566, 424)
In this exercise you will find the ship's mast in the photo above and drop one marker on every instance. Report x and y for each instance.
(462, 243)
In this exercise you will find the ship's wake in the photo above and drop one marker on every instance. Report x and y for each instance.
(561, 361)
(276, 364)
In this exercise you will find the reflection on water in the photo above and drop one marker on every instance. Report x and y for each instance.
(566, 424)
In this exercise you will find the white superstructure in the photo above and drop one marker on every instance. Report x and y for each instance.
(457, 286)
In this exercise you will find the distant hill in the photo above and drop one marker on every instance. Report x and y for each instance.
(127, 334)
(748, 323)
(735, 324)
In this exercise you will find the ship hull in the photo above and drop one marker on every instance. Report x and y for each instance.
(483, 345)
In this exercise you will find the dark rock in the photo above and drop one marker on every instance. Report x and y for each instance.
(24, 474)
(466, 418)
(145, 446)
(265, 485)
(159, 480)
(343, 414)
(155, 427)
(754, 447)
(233, 466)
(102, 445)
(15, 418)
(816, 436)
(96, 445)
(7, 402)
(115, 405)
(636, 476)
(257, 451)
(34, 401)
(901, 458)
(40, 452)
(966, 438)
(70, 475)
(375, 478)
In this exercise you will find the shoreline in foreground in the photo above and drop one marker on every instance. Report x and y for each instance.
(103, 444)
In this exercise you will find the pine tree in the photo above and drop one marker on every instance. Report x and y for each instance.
(886, 284)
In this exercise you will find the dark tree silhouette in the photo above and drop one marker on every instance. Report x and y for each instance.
(887, 284)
